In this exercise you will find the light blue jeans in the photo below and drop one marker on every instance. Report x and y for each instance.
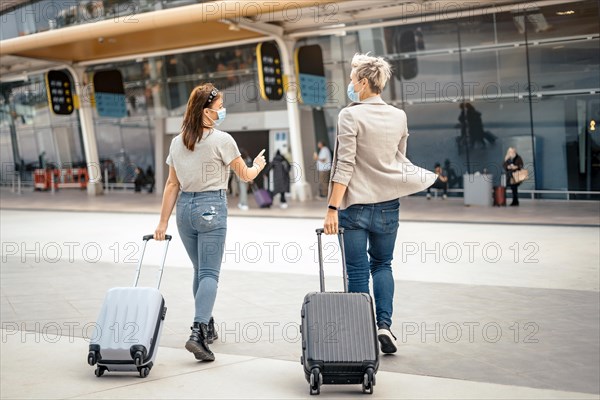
(370, 232)
(243, 191)
(202, 225)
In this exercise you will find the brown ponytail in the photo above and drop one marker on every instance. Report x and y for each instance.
(193, 124)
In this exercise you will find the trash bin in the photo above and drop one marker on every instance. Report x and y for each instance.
(478, 189)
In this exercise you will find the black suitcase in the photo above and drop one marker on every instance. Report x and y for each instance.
(339, 336)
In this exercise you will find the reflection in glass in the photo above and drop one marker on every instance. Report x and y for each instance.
(6, 156)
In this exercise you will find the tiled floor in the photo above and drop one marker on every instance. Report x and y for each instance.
(478, 328)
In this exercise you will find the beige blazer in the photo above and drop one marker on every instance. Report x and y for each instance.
(370, 155)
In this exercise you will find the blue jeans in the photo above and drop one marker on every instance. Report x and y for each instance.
(243, 192)
(202, 225)
(369, 239)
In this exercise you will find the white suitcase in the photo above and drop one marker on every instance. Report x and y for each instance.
(128, 329)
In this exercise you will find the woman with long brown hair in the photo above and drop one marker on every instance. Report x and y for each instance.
(199, 162)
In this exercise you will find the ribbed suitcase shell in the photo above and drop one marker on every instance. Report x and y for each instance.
(129, 316)
(338, 336)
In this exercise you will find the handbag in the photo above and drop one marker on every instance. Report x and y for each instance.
(519, 176)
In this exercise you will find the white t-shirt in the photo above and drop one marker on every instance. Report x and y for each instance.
(324, 154)
(207, 167)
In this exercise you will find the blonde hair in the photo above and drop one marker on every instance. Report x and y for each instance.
(376, 69)
(507, 156)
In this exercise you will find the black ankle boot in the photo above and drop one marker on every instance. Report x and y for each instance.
(198, 343)
(212, 332)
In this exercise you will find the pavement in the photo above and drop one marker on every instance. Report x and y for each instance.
(498, 303)
(414, 208)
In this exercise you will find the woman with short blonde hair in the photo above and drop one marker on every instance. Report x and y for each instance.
(370, 172)
(376, 70)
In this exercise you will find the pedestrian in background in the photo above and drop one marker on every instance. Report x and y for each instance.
(150, 180)
(202, 203)
(513, 163)
(243, 185)
(323, 159)
(281, 177)
(440, 183)
(139, 179)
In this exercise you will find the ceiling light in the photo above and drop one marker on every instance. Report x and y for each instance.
(568, 12)
(336, 26)
(233, 26)
(15, 78)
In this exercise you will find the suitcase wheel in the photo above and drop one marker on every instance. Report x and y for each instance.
(92, 358)
(99, 371)
(138, 358)
(316, 380)
(368, 381)
(144, 371)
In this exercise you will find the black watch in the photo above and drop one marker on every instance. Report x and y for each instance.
(333, 208)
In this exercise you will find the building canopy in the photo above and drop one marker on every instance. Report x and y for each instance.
(208, 24)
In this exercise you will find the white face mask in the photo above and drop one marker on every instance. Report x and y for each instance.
(352, 95)
(221, 114)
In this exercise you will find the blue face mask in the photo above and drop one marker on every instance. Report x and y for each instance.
(221, 114)
(352, 95)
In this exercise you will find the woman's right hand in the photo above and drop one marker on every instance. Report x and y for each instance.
(260, 160)
(161, 231)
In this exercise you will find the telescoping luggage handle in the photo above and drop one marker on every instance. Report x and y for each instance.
(162, 264)
(320, 231)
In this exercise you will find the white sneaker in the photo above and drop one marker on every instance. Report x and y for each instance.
(445, 196)
(243, 207)
(387, 341)
(283, 205)
(428, 196)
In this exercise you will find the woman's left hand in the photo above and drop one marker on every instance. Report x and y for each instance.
(331, 222)
(161, 231)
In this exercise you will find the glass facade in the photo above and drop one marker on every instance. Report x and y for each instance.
(526, 80)
(531, 81)
(159, 87)
(29, 129)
